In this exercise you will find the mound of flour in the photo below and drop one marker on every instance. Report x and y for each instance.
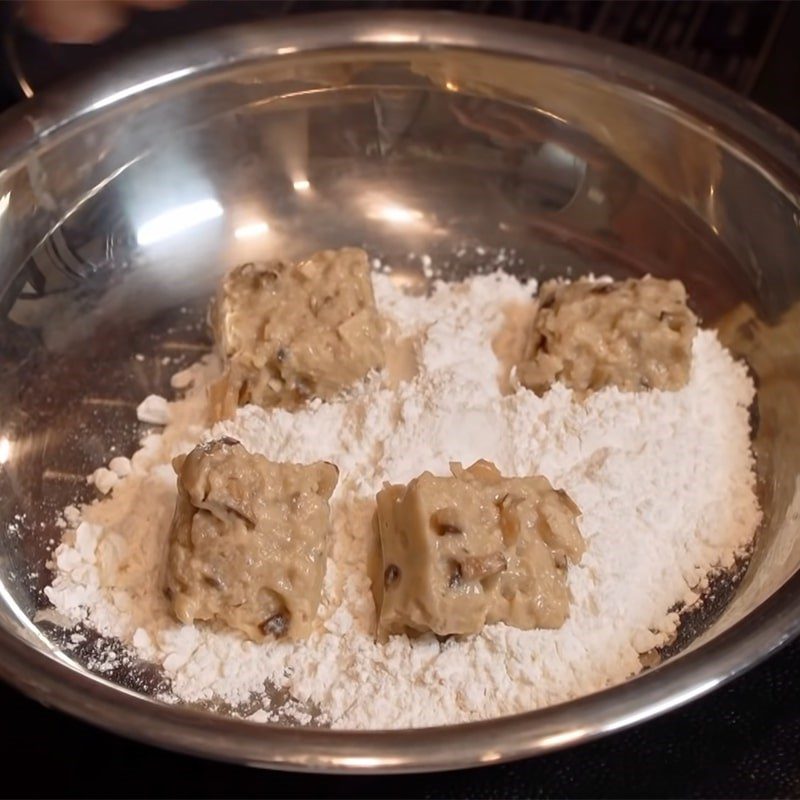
(664, 481)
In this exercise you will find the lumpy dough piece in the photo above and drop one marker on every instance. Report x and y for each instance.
(291, 332)
(247, 546)
(456, 553)
(633, 334)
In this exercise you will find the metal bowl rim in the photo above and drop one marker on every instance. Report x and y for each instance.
(776, 621)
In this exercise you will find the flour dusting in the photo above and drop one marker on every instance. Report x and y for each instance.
(664, 481)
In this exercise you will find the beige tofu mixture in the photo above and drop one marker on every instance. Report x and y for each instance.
(456, 553)
(290, 332)
(633, 334)
(247, 544)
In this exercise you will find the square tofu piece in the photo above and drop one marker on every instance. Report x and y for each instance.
(635, 335)
(247, 545)
(461, 552)
(288, 333)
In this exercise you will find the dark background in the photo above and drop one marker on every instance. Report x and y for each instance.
(742, 741)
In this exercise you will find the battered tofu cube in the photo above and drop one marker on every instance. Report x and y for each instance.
(247, 545)
(288, 333)
(634, 334)
(460, 552)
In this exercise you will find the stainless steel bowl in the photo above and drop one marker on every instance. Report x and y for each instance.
(474, 141)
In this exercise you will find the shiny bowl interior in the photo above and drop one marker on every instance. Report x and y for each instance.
(480, 144)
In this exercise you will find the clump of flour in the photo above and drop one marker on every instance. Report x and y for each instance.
(664, 481)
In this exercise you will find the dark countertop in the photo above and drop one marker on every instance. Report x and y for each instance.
(741, 741)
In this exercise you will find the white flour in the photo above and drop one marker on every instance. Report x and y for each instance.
(664, 481)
